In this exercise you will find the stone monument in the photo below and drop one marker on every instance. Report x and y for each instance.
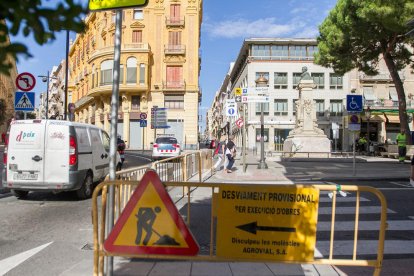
(306, 137)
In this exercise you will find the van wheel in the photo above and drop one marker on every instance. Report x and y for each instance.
(20, 194)
(87, 187)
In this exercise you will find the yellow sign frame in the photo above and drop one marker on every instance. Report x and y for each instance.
(270, 223)
(98, 5)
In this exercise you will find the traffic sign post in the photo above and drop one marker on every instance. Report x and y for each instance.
(354, 103)
(239, 122)
(24, 101)
(268, 223)
(25, 81)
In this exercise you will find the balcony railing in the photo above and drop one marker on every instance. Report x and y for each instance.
(174, 21)
(381, 76)
(174, 49)
(174, 85)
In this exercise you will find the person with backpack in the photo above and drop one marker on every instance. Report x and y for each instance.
(219, 151)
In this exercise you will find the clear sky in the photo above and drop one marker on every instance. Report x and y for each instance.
(226, 23)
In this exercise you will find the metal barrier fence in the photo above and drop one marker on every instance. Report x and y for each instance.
(99, 216)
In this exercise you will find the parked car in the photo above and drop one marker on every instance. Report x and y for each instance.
(50, 155)
(165, 147)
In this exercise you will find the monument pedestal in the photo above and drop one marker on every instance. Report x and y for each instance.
(306, 139)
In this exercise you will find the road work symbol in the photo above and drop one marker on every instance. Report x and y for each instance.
(146, 217)
(150, 223)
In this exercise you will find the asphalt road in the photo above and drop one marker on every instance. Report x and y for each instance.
(51, 234)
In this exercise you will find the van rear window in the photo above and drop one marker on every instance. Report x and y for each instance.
(166, 140)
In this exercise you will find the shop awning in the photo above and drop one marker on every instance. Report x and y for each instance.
(394, 119)
(375, 118)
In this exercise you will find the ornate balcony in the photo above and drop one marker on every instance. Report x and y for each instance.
(174, 21)
(174, 49)
(174, 85)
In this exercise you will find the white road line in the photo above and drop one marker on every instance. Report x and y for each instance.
(11, 262)
(351, 210)
(367, 247)
(393, 225)
(400, 184)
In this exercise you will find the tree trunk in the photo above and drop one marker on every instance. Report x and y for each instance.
(402, 104)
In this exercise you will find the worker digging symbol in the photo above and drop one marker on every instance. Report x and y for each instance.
(146, 217)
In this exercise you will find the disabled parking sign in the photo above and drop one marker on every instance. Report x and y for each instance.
(354, 103)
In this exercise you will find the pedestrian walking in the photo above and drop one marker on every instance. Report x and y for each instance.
(220, 152)
(402, 145)
(230, 153)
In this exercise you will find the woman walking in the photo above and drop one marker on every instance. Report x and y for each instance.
(220, 152)
(230, 153)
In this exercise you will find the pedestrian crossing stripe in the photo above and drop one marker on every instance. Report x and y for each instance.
(24, 101)
(151, 224)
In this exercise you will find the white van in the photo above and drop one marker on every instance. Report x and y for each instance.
(51, 155)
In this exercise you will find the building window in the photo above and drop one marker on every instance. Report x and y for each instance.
(132, 70)
(93, 76)
(142, 74)
(121, 74)
(336, 108)
(175, 13)
(294, 109)
(136, 36)
(311, 51)
(318, 80)
(335, 81)
(261, 51)
(174, 41)
(174, 101)
(262, 74)
(369, 95)
(106, 72)
(281, 81)
(280, 52)
(265, 134)
(320, 108)
(265, 108)
(135, 102)
(281, 107)
(297, 52)
(295, 79)
(175, 77)
(138, 14)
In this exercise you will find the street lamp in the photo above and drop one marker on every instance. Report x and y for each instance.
(368, 117)
(46, 79)
(262, 82)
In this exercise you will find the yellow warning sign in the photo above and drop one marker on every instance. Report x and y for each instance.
(96, 5)
(151, 224)
(273, 223)
(238, 92)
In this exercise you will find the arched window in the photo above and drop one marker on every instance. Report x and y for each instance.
(106, 72)
(131, 70)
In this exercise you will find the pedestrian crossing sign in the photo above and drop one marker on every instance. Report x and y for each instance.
(24, 101)
(151, 224)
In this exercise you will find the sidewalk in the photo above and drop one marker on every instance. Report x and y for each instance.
(295, 170)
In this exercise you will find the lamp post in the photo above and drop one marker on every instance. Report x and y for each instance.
(262, 82)
(368, 116)
(46, 79)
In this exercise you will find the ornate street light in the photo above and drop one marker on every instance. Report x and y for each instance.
(46, 79)
(262, 82)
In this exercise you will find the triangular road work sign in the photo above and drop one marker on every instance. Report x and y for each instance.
(150, 223)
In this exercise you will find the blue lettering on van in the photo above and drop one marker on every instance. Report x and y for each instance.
(25, 136)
